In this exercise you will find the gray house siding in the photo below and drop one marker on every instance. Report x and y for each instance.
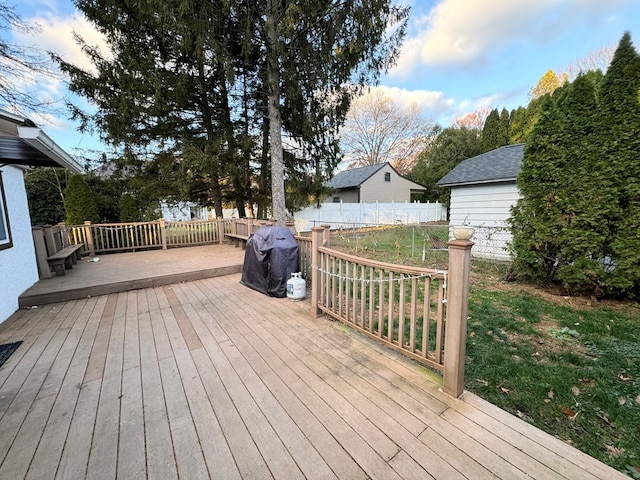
(483, 190)
(369, 185)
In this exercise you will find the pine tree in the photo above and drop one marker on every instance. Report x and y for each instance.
(80, 202)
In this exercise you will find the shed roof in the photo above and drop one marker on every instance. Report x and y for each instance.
(23, 143)
(499, 165)
(353, 177)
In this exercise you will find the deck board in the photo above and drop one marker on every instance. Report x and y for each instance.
(209, 379)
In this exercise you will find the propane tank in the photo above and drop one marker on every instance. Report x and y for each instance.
(296, 287)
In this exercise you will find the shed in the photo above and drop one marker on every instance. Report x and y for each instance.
(22, 144)
(373, 183)
(483, 190)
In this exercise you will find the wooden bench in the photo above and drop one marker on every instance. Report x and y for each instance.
(237, 239)
(65, 258)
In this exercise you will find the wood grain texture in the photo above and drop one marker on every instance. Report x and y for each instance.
(210, 379)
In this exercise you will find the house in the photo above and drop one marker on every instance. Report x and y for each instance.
(483, 190)
(22, 144)
(373, 183)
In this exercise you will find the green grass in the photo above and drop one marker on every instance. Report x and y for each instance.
(404, 244)
(573, 372)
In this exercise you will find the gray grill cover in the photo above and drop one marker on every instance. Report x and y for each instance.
(270, 258)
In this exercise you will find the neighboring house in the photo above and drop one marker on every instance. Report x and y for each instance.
(483, 190)
(22, 144)
(374, 183)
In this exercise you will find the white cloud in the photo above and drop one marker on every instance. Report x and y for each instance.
(56, 35)
(433, 104)
(465, 33)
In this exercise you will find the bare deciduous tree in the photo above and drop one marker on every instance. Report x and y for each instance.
(377, 130)
(473, 120)
(19, 64)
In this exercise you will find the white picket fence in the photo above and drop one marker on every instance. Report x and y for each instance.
(353, 215)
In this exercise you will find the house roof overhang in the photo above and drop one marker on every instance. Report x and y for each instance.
(32, 146)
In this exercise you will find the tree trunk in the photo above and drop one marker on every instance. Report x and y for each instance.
(279, 211)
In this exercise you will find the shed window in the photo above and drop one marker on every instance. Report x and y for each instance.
(5, 229)
(336, 199)
(387, 176)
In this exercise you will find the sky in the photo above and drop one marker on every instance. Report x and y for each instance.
(458, 55)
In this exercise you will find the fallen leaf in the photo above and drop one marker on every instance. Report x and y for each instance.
(622, 401)
(614, 452)
(482, 382)
(587, 382)
(638, 399)
(547, 400)
(575, 390)
(550, 394)
(571, 415)
(624, 377)
(604, 417)
(472, 334)
(504, 390)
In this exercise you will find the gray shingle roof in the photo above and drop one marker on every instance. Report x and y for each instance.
(499, 165)
(353, 177)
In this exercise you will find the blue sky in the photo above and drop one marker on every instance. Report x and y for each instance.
(458, 55)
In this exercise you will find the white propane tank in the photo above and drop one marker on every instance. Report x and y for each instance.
(296, 287)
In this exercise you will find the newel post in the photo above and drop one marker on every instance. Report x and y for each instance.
(220, 229)
(41, 251)
(163, 233)
(457, 306)
(316, 242)
(89, 238)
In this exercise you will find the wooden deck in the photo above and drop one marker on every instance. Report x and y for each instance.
(209, 379)
(122, 272)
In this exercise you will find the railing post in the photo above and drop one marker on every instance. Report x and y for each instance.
(234, 226)
(41, 252)
(220, 229)
(89, 238)
(326, 235)
(456, 319)
(163, 233)
(316, 242)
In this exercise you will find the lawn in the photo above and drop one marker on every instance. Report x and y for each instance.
(569, 366)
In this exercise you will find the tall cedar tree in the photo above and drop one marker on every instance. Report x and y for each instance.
(495, 132)
(535, 217)
(620, 116)
(79, 202)
(577, 221)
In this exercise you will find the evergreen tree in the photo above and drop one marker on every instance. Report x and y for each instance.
(129, 211)
(577, 221)
(620, 137)
(45, 194)
(535, 219)
(491, 131)
(450, 147)
(587, 199)
(503, 128)
(80, 202)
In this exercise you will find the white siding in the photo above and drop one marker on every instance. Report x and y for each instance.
(375, 189)
(487, 208)
(18, 268)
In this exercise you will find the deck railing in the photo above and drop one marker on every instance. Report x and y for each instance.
(419, 312)
(102, 238)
